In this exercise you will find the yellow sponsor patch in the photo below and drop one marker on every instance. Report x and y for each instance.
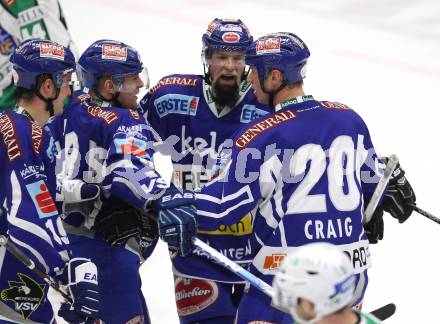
(243, 227)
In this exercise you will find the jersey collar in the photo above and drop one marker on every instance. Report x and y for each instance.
(22, 111)
(292, 101)
(207, 92)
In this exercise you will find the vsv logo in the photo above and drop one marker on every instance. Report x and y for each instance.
(26, 294)
(176, 104)
(250, 113)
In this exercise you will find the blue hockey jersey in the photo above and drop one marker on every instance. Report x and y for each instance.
(29, 214)
(108, 146)
(181, 110)
(303, 173)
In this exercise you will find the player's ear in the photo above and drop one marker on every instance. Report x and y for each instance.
(47, 88)
(276, 76)
(107, 86)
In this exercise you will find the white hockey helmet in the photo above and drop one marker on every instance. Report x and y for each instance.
(318, 272)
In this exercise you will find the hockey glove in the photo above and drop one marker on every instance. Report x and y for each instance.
(78, 196)
(176, 219)
(375, 228)
(118, 221)
(399, 196)
(81, 279)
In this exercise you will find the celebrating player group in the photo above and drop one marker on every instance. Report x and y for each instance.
(264, 173)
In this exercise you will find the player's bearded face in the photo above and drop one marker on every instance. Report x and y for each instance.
(129, 92)
(226, 69)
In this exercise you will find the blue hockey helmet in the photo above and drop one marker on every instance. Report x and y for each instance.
(226, 35)
(282, 51)
(110, 58)
(36, 57)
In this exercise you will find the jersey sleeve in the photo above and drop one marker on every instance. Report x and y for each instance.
(130, 173)
(233, 191)
(32, 217)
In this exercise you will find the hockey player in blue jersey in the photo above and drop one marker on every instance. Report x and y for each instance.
(304, 173)
(106, 142)
(42, 71)
(196, 115)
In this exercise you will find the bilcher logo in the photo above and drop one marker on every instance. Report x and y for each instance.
(26, 295)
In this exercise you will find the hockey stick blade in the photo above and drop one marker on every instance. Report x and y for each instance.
(426, 214)
(384, 312)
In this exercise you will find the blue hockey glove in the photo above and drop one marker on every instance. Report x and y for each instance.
(176, 219)
(81, 279)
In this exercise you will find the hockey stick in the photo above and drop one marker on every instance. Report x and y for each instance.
(23, 258)
(216, 256)
(425, 213)
(384, 312)
(212, 254)
(380, 188)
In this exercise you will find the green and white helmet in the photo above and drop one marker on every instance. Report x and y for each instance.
(318, 272)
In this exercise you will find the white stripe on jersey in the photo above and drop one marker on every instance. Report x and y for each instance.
(19, 222)
(33, 251)
(244, 190)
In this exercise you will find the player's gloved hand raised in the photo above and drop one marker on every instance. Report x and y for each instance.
(117, 221)
(81, 279)
(399, 196)
(176, 219)
(375, 227)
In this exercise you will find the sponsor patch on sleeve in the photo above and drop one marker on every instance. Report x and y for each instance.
(176, 104)
(42, 199)
(250, 113)
(131, 145)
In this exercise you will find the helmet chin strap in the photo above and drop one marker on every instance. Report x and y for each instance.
(49, 101)
(273, 93)
(113, 100)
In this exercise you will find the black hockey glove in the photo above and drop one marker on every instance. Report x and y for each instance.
(374, 229)
(399, 196)
(177, 222)
(118, 221)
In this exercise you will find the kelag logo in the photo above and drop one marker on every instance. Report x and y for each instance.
(250, 113)
(176, 104)
(26, 294)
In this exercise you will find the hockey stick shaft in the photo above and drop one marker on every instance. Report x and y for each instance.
(380, 188)
(23, 258)
(381, 313)
(426, 214)
(234, 267)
